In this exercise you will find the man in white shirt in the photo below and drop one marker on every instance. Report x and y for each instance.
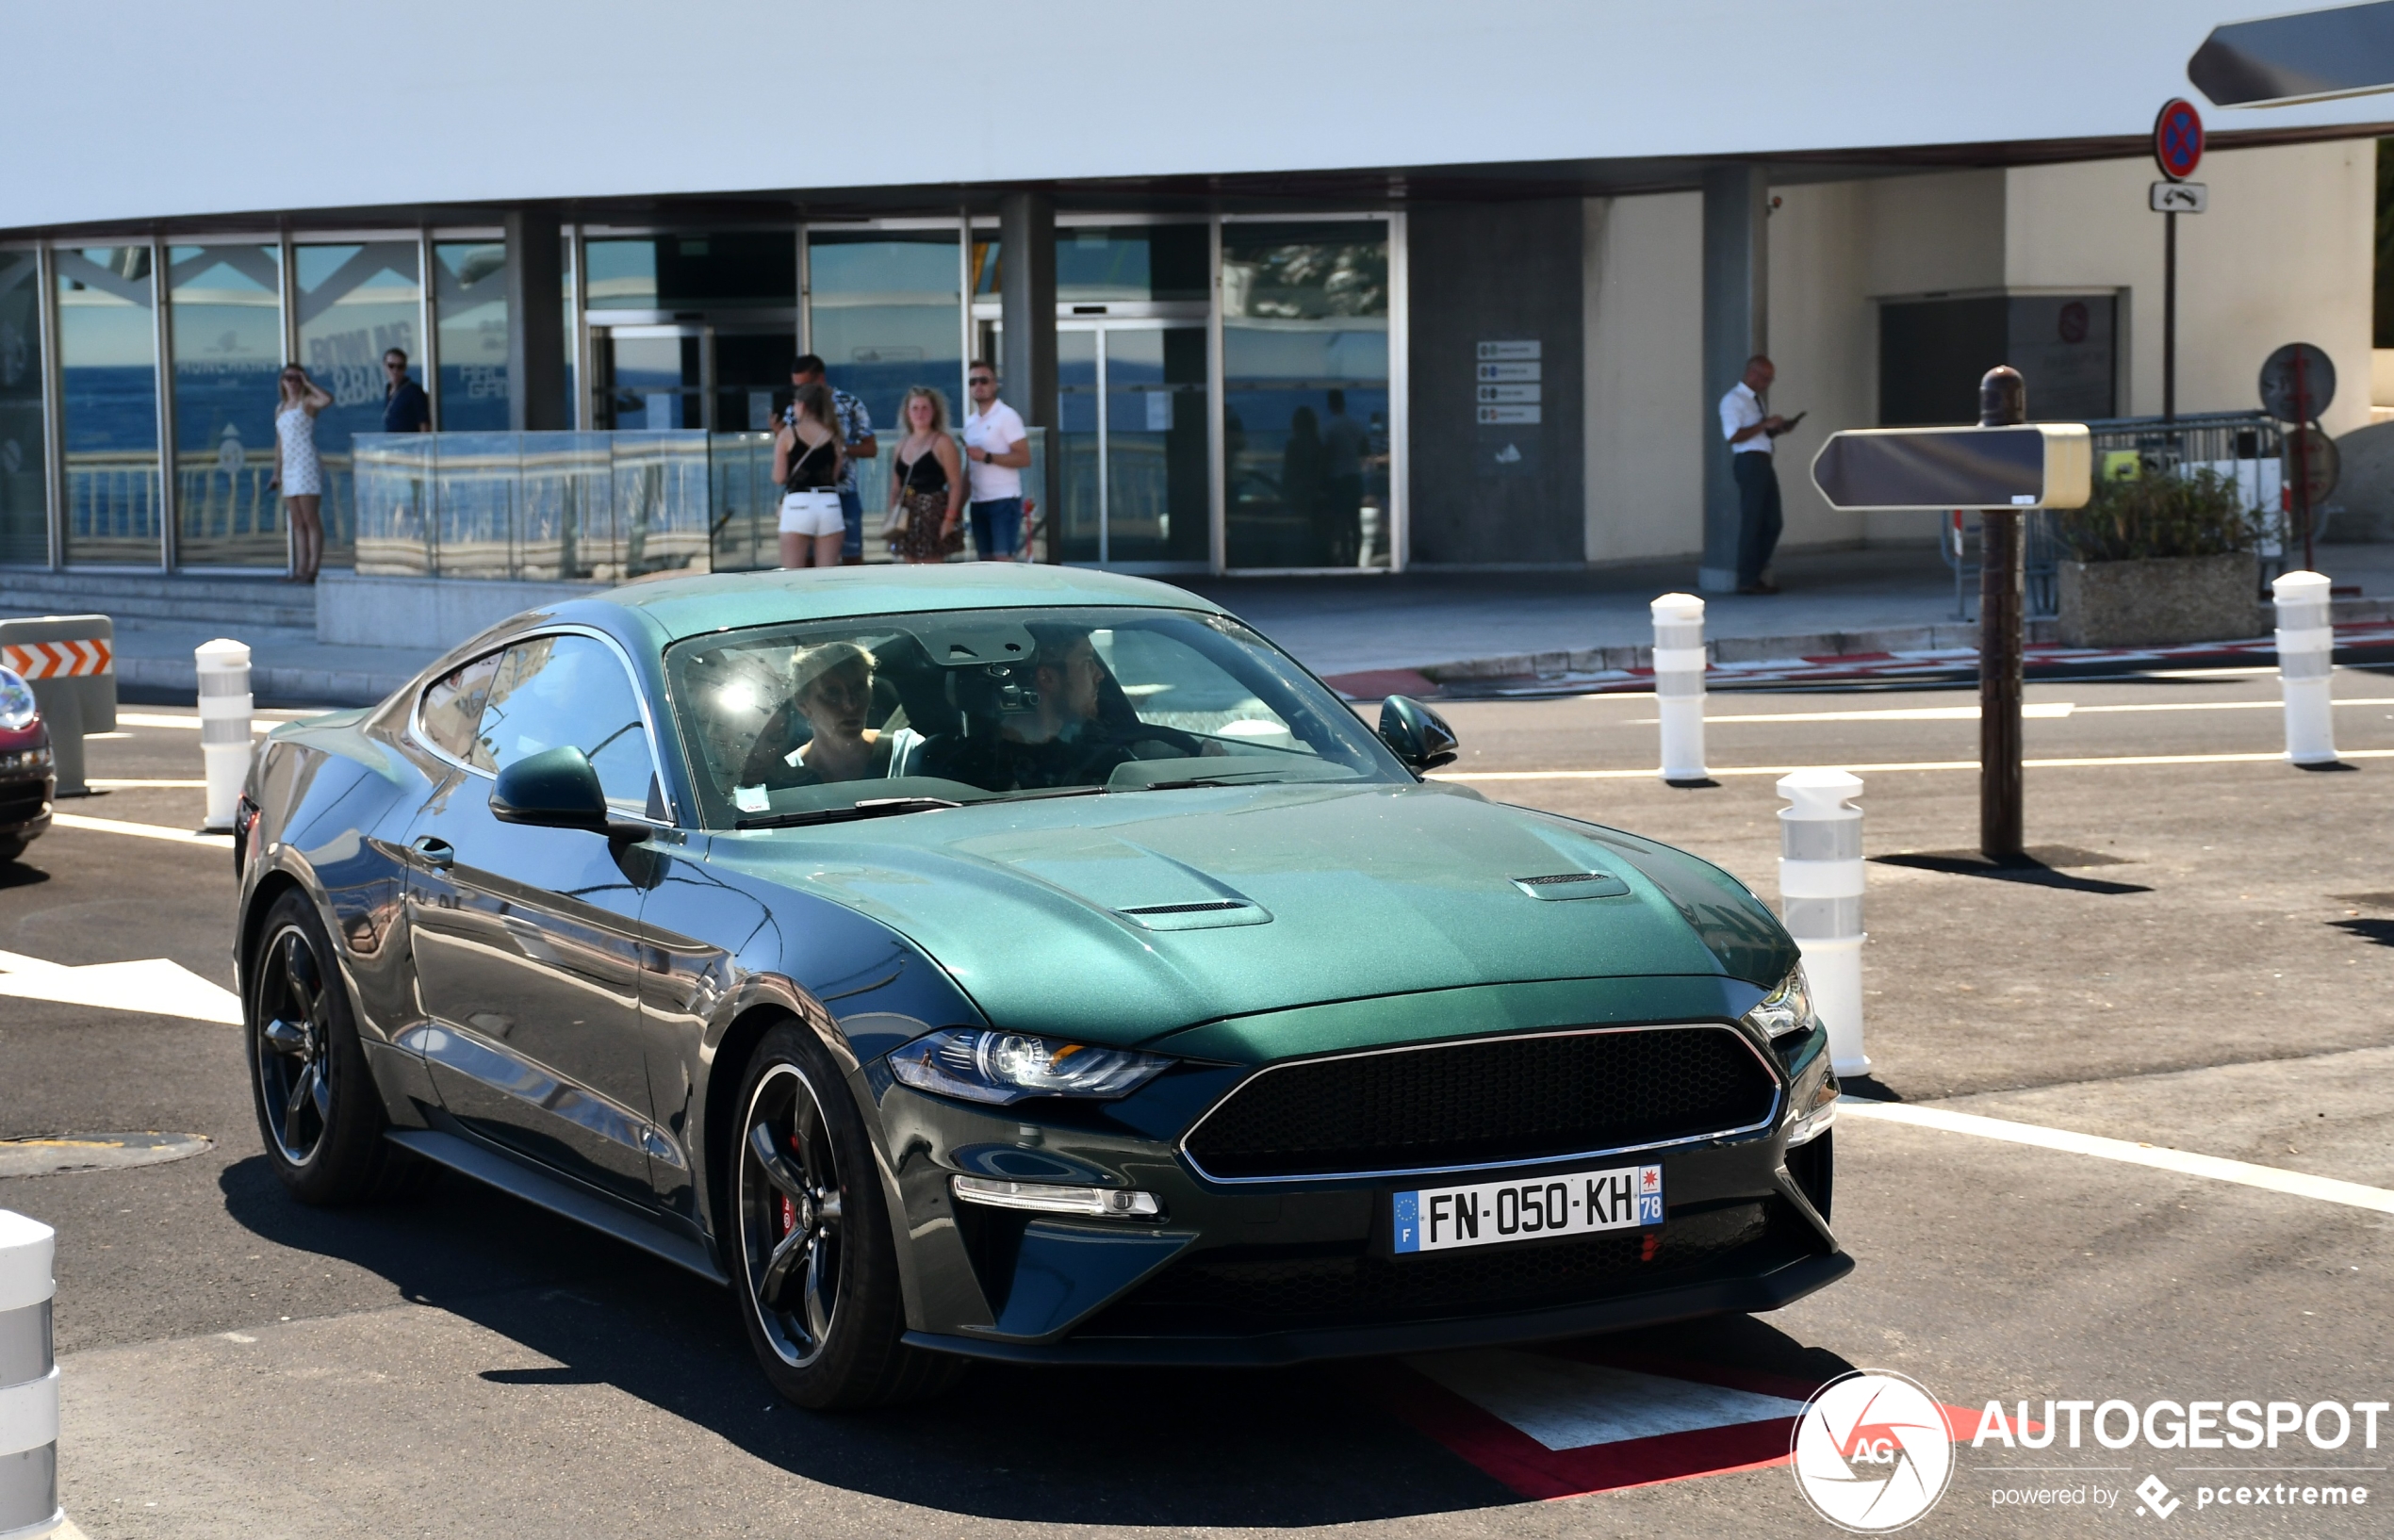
(1750, 431)
(997, 447)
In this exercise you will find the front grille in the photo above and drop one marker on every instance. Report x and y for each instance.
(1226, 1291)
(1485, 1102)
(21, 803)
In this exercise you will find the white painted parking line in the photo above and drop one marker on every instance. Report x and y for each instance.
(2035, 710)
(1718, 770)
(153, 986)
(2186, 1162)
(136, 785)
(1566, 1403)
(159, 720)
(146, 831)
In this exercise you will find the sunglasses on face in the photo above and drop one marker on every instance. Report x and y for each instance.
(979, 380)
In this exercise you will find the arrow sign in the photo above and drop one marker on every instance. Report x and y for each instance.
(2045, 465)
(2309, 57)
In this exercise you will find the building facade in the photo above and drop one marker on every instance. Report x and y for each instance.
(1357, 288)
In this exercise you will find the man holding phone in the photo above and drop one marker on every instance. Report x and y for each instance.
(1751, 432)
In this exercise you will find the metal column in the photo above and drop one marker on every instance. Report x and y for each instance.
(54, 470)
(535, 323)
(1026, 310)
(167, 488)
(1736, 327)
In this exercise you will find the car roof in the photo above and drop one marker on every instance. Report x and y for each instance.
(694, 606)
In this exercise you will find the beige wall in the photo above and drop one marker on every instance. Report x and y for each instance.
(2285, 254)
(1645, 318)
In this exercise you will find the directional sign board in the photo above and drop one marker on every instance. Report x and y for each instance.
(2045, 464)
(2309, 57)
(2180, 197)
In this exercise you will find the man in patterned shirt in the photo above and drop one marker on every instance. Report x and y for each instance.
(856, 432)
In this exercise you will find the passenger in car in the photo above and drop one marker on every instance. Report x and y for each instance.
(1073, 728)
(831, 690)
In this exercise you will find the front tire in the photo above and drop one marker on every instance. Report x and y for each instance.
(811, 1256)
(318, 1110)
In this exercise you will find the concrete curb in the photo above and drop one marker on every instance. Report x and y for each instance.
(179, 676)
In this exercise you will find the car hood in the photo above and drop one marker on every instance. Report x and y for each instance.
(1121, 917)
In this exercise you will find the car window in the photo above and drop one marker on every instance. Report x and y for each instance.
(789, 722)
(453, 706)
(556, 690)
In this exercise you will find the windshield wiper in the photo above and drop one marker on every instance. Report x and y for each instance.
(871, 807)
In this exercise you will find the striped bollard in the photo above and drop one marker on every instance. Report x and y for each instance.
(28, 1379)
(1820, 892)
(225, 726)
(1679, 684)
(2306, 643)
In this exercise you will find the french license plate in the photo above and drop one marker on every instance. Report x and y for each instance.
(1496, 1213)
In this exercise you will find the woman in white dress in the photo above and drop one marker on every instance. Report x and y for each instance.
(297, 472)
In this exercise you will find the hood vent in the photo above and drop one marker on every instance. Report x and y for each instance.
(1566, 885)
(1197, 916)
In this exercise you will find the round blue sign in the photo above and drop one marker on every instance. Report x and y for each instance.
(2178, 139)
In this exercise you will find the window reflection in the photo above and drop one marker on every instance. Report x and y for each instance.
(107, 373)
(886, 313)
(1305, 394)
(469, 293)
(356, 300)
(225, 307)
(24, 524)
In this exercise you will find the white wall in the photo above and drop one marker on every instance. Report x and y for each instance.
(149, 108)
(1644, 313)
(2285, 254)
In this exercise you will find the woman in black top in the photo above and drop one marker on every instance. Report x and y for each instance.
(928, 482)
(806, 461)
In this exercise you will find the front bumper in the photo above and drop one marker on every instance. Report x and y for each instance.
(1283, 1271)
(25, 805)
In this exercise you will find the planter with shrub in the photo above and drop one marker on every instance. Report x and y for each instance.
(2160, 559)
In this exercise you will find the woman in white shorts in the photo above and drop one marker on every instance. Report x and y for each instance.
(806, 461)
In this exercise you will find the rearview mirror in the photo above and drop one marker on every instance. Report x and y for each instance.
(1416, 734)
(553, 788)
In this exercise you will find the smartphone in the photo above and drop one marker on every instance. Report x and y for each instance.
(1788, 426)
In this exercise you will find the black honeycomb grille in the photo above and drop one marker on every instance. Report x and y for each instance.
(1226, 1291)
(1488, 1101)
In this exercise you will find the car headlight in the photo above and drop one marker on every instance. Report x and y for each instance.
(21, 759)
(1001, 1066)
(1786, 1009)
(17, 708)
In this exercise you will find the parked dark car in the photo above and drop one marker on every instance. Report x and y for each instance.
(1021, 963)
(28, 774)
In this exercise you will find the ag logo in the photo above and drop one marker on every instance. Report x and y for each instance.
(1872, 1451)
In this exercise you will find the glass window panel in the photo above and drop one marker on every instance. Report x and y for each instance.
(225, 307)
(356, 300)
(711, 270)
(1306, 404)
(469, 291)
(886, 315)
(1100, 264)
(1155, 451)
(1077, 467)
(559, 690)
(453, 706)
(24, 524)
(107, 369)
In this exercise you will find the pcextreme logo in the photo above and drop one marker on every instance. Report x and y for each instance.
(1873, 1452)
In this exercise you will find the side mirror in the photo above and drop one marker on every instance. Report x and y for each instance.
(553, 788)
(1416, 734)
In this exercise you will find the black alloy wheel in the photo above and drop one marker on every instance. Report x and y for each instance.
(318, 1109)
(814, 1263)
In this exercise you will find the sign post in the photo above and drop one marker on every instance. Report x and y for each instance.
(2177, 147)
(2003, 466)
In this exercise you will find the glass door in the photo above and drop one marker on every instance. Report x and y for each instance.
(1131, 442)
(650, 377)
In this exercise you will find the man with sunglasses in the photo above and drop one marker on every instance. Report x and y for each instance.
(998, 447)
(405, 407)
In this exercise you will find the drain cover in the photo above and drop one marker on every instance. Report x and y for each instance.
(50, 1155)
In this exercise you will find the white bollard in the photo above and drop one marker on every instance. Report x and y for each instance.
(225, 726)
(28, 1379)
(2306, 643)
(1678, 683)
(1820, 892)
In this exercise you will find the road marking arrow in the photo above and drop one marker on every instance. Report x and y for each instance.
(155, 986)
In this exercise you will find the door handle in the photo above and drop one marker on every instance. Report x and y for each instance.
(429, 850)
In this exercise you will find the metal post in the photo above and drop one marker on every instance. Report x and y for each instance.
(163, 324)
(2169, 316)
(2003, 402)
(29, 1397)
(2303, 461)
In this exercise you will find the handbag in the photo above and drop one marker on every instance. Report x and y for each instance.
(896, 524)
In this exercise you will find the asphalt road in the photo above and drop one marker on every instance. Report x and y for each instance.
(2203, 965)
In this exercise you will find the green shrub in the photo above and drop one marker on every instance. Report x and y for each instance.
(2194, 512)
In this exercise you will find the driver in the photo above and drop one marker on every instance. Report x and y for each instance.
(1081, 726)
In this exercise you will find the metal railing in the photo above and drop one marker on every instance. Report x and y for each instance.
(600, 506)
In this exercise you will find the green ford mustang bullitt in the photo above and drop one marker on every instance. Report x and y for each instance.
(991, 962)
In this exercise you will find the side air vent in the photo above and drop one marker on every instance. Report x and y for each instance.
(1563, 885)
(1190, 909)
(1207, 914)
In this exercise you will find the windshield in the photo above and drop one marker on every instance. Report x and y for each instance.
(803, 723)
